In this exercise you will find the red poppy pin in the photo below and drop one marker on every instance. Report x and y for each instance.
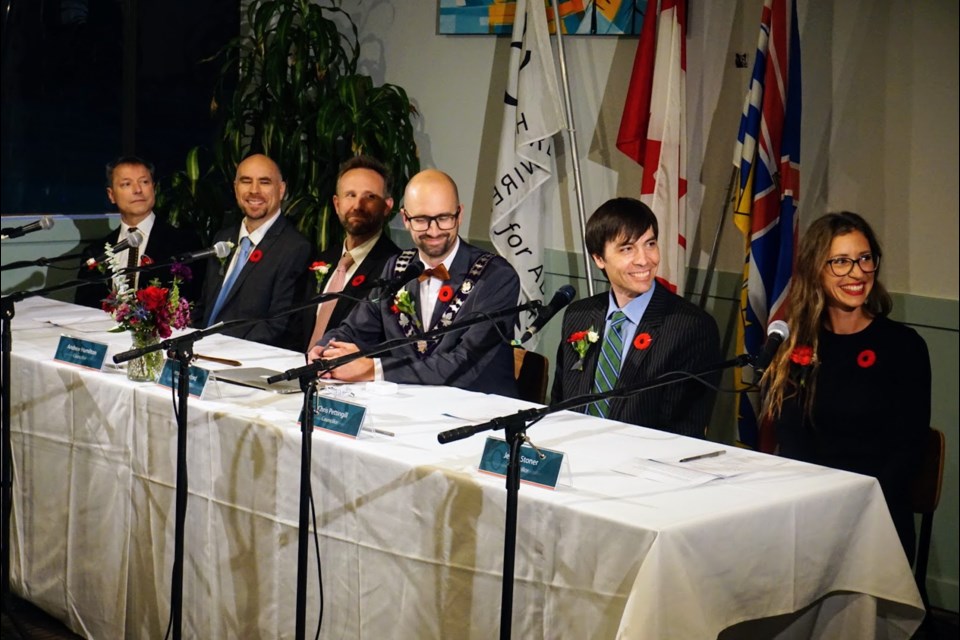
(802, 355)
(256, 256)
(642, 341)
(867, 358)
(358, 280)
(146, 261)
(445, 294)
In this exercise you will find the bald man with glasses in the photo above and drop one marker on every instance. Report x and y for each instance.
(458, 281)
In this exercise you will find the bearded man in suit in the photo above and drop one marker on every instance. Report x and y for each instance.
(642, 331)
(460, 281)
(132, 188)
(267, 269)
(362, 203)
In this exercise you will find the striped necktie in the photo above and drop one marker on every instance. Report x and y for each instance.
(608, 364)
(133, 261)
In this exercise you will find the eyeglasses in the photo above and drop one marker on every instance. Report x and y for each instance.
(445, 221)
(844, 266)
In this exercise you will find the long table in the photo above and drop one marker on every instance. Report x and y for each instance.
(410, 533)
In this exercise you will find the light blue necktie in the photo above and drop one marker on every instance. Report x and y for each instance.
(245, 246)
(608, 364)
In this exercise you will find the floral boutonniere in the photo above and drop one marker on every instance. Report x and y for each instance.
(403, 303)
(224, 260)
(255, 256)
(802, 356)
(867, 358)
(642, 341)
(320, 270)
(581, 341)
(445, 294)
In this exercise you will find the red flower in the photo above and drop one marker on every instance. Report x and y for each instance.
(152, 298)
(92, 265)
(316, 266)
(802, 355)
(394, 309)
(358, 280)
(446, 293)
(255, 256)
(146, 261)
(577, 336)
(867, 358)
(642, 341)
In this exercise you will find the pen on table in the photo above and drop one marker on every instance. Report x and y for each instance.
(712, 454)
(380, 431)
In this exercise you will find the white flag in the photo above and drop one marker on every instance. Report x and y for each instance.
(532, 115)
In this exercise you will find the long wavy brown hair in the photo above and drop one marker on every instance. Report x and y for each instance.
(805, 314)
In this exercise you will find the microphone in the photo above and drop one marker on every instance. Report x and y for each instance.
(134, 240)
(220, 250)
(392, 285)
(777, 332)
(561, 298)
(46, 222)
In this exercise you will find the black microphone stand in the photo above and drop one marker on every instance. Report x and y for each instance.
(308, 380)
(40, 262)
(515, 427)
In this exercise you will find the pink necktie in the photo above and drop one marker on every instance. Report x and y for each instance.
(337, 282)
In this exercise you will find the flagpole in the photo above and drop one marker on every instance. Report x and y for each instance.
(712, 264)
(575, 154)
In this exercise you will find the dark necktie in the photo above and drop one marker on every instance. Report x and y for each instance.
(133, 261)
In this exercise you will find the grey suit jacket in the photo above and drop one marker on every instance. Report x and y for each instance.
(683, 338)
(478, 358)
(263, 288)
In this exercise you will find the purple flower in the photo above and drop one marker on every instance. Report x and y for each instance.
(182, 271)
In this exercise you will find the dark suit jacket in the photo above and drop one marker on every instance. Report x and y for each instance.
(371, 267)
(262, 288)
(478, 358)
(165, 242)
(684, 338)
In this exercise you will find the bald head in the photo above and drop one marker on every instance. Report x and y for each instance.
(429, 194)
(259, 188)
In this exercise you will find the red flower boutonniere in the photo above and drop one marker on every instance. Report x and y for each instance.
(802, 355)
(320, 270)
(445, 294)
(256, 256)
(146, 261)
(358, 280)
(642, 341)
(581, 341)
(867, 358)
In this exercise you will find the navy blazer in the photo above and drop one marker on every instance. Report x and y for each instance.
(478, 358)
(683, 338)
(165, 242)
(371, 267)
(263, 288)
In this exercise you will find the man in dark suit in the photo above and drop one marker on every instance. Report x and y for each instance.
(460, 280)
(636, 332)
(266, 270)
(131, 187)
(362, 203)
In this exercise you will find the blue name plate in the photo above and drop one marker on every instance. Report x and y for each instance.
(83, 353)
(543, 472)
(337, 416)
(170, 377)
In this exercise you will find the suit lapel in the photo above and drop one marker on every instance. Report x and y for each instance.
(596, 318)
(458, 272)
(631, 371)
(264, 246)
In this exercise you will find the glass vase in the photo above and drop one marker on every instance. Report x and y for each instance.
(146, 368)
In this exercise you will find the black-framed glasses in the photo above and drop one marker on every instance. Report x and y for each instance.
(444, 221)
(843, 266)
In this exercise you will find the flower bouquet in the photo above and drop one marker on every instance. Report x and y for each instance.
(149, 314)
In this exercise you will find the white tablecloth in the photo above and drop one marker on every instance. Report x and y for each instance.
(411, 535)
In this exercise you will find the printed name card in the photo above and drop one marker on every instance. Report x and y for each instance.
(83, 353)
(543, 472)
(337, 416)
(170, 377)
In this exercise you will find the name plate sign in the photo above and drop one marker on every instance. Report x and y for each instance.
(541, 471)
(170, 377)
(337, 416)
(83, 353)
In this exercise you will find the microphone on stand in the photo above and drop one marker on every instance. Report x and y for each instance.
(561, 299)
(777, 333)
(220, 250)
(46, 222)
(392, 285)
(134, 240)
